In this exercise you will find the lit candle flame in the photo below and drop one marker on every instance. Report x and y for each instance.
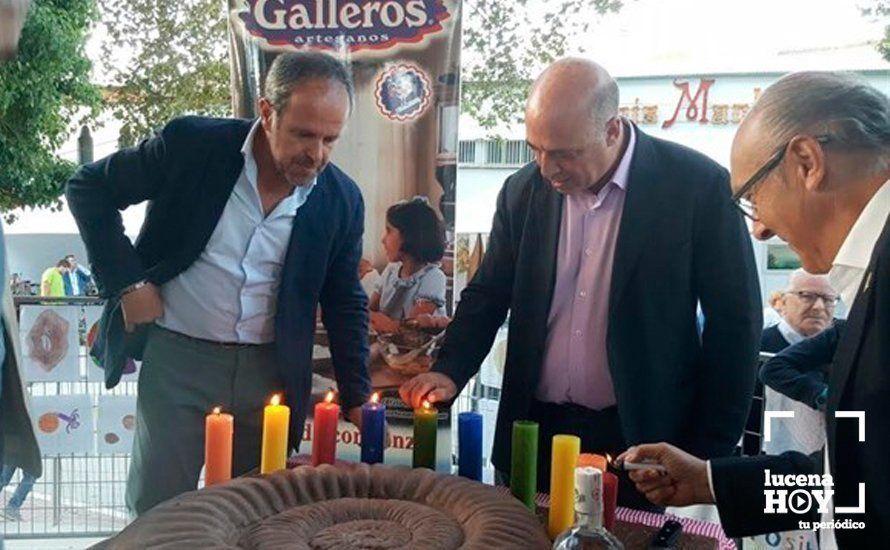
(329, 397)
(276, 399)
(426, 404)
(217, 410)
(375, 397)
(609, 459)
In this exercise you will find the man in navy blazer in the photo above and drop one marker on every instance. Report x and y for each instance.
(249, 229)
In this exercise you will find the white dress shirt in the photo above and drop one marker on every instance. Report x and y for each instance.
(229, 294)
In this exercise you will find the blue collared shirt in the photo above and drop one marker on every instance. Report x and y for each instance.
(229, 294)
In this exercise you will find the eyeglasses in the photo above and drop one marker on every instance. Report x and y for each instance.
(740, 197)
(809, 298)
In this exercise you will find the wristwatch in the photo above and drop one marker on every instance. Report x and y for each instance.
(822, 399)
(132, 287)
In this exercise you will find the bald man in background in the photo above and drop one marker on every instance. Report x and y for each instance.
(600, 250)
(808, 306)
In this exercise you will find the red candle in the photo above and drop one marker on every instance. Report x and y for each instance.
(610, 499)
(324, 432)
(610, 496)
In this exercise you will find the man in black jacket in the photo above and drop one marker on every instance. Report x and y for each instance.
(249, 229)
(811, 163)
(600, 250)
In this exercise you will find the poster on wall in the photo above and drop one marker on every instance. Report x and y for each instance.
(116, 422)
(63, 424)
(400, 144)
(95, 373)
(50, 343)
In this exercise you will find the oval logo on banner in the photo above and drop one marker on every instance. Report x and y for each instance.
(354, 24)
(403, 92)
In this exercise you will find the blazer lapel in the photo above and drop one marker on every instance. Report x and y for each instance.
(851, 339)
(221, 173)
(542, 232)
(640, 211)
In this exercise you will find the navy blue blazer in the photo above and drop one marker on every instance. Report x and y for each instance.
(801, 371)
(187, 173)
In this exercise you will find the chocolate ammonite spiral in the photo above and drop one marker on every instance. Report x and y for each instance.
(339, 508)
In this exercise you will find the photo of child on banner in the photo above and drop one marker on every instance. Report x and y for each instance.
(400, 145)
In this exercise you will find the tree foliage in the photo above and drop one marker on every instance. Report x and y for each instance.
(174, 61)
(180, 65)
(44, 93)
(880, 10)
(505, 41)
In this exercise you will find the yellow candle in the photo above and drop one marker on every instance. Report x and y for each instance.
(562, 483)
(276, 421)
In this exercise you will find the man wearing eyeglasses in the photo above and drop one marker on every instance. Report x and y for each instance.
(808, 306)
(811, 163)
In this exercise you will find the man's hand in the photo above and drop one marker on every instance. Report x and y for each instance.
(142, 306)
(686, 480)
(432, 386)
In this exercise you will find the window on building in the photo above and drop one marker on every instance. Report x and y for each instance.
(467, 152)
(781, 257)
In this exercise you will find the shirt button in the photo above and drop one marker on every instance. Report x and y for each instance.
(588, 252)
(578, 333)
(583, 294)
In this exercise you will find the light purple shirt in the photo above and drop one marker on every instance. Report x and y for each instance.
(576, 367)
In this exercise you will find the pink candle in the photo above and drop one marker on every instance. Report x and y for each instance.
(324, 433)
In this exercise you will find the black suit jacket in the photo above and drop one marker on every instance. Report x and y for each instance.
(681, 241)
(859, 380)
(772, 341)
(801, 371)
(187, 173)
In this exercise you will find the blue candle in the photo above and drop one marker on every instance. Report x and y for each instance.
(373, 430)
(469, 433)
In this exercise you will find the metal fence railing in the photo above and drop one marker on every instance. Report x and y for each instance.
(79, 494)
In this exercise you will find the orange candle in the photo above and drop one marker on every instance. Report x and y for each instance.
(276, 422)
(592, 460)
(218, 430)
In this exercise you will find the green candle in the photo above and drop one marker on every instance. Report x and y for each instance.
(524, 464)
(425, 428)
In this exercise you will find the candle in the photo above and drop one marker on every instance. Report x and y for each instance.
(276, 422)
(425, 428)
(610, 499)
(218, 430)
(373, 430)
(324, 431)
(593, 461)
(524, 462)
(562, 483)
(469, 439)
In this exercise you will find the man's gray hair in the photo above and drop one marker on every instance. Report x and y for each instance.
(843, 106)
(605, 102)
(292, 68)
